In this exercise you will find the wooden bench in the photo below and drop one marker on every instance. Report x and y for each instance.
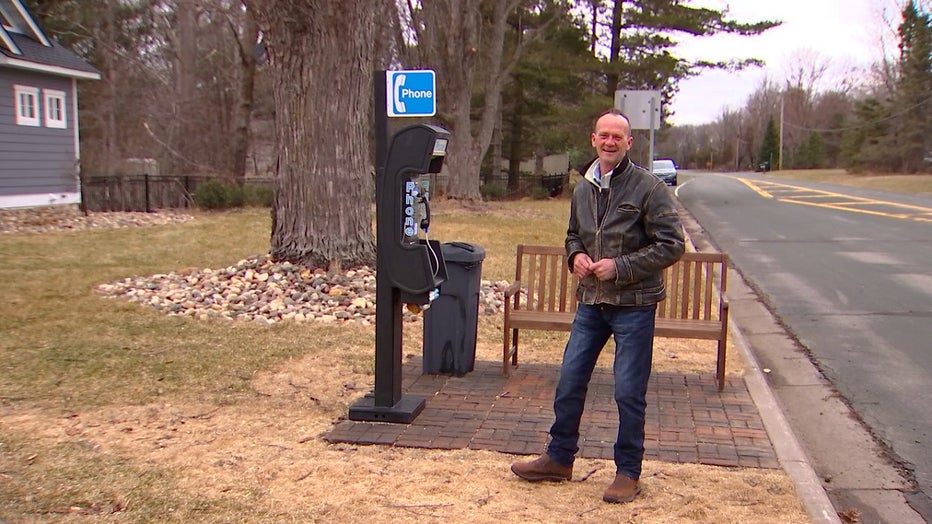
(543, 297)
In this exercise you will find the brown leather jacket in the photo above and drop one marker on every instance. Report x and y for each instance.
(640, 229)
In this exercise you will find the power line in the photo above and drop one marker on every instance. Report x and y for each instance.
(861, 126)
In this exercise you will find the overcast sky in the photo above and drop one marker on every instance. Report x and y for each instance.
(848, 34)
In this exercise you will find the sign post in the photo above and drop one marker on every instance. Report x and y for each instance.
(643, 111)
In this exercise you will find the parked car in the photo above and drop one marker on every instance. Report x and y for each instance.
(665, 169)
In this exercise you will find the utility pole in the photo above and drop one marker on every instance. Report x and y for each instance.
(737, 150)
(780, 158)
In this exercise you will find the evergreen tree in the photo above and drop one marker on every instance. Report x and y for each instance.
(811, 153)
(817, 150)
(642, 36)
(913, 101)
(545, 109)
(769, 148)
(866, 143)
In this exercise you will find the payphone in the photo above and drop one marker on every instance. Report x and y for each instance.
(414, 264)
(409, 268)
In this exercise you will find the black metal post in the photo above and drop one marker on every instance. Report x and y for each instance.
(387, 297)
(386, 404)
(148, 204)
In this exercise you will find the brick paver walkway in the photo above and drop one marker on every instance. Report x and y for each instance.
(688, 419)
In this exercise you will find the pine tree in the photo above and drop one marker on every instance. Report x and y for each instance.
(811, 153)
(816, 150)
(913, 101)
(545, 109)
(769, 149)
(866, 144)
(642, 35)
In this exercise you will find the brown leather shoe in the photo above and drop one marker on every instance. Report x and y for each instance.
(542, 468)
(623, 490)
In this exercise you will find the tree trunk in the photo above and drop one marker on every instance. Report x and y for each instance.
(516, 132)
(459, 44)
(243, 111)
(186, 139)
(615, 50)
(110, 135)
(495, 169)
(321, 66)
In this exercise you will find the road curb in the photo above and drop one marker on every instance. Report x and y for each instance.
(790, 453)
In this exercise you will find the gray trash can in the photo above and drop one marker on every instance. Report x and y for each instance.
(451, 322)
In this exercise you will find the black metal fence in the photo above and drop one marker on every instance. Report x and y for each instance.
(146, 192)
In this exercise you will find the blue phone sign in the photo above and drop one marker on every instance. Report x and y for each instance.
(411, 93)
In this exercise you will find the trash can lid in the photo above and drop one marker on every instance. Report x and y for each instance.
(462, 252)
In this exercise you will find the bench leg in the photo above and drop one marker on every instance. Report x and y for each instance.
(514, 346)
(506, 349)
(509, 351)
(720, 365)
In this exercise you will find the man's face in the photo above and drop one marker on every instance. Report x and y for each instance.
(612, 138)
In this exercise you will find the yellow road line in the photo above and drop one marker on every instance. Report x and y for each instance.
(755, 188)
(806, 196)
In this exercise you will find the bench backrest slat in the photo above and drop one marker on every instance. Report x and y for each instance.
(549, 286)
(545, 280)
(691, 290)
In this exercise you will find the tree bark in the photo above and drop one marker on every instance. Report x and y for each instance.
(321, 66)
(454, 39)
(517, 132)
(242, 113)
(185, 137)
(615, 50)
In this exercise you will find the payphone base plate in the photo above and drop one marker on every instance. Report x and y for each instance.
(403, 412)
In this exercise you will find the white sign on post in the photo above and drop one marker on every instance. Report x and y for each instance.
(641, 107)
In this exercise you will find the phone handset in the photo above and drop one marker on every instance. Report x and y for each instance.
(424, 201)
(399, 83)
(425, 217)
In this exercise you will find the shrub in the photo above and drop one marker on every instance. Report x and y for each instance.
(216, 194)
(492, 191)
(540, 193)
(258, 196)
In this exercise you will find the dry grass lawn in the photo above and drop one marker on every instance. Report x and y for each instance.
(264, 461)
(110, 412)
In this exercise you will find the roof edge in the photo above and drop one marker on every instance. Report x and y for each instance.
(55, 70)
(31, 22)
(8, 42)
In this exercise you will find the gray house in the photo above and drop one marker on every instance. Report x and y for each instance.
(39, 148)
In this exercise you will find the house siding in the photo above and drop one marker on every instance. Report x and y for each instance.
(36, 160)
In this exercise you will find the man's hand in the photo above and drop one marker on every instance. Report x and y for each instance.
(604, 269)
(582, 265)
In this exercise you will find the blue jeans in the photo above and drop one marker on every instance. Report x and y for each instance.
(633, 330)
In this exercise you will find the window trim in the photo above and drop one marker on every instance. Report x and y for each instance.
(19, 92)
(51, 95)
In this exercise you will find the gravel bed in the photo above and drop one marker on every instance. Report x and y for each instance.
(253, 290)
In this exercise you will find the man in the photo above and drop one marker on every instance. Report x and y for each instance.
(623, 230)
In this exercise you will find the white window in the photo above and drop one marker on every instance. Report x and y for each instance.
(27, 105)
(55, 109)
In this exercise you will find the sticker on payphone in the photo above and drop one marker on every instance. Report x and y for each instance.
(410, 211)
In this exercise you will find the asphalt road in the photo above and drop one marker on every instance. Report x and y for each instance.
(848, 273)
